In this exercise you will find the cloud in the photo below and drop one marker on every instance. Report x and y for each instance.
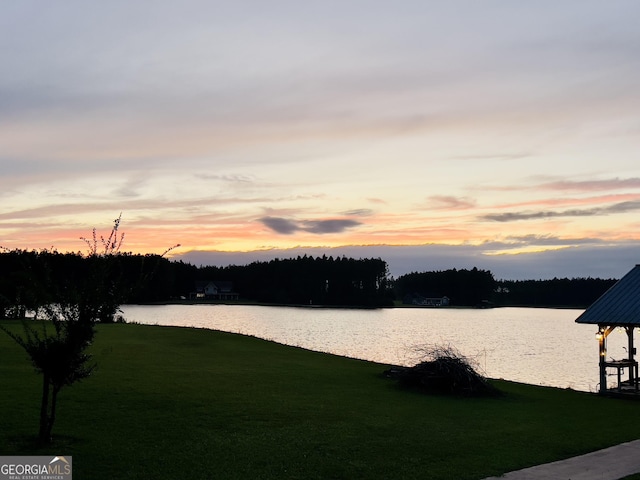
(592, 185)
(495, 156)
(446, 202)
(289, 227)
(515, 216)
(548, 240)
(130, 188)
(622, 207)
(360, 212)
(576, 186)
(233, 178)
(329, 226)
(280, 225)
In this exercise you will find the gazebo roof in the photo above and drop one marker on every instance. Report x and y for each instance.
(620, 305)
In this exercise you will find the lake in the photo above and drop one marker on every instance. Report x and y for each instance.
(538, 346)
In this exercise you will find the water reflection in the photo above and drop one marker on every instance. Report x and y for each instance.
(536, 346)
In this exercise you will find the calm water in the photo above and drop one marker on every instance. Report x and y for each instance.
(536, 346)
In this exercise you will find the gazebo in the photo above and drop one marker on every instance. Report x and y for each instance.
(617, 307)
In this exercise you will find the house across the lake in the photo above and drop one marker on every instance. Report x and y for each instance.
(422, 301)
(214, 290)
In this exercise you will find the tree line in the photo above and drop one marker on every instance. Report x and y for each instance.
(559, 292)
(479, 288)
(462, 287)
(31, 278)
(34, 279)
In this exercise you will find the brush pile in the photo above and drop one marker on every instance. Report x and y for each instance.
(443, 370)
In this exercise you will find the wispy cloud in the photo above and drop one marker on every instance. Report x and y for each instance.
(622, 207)
(567, 185)
(231, 178)
(494, 156)
(360, 212)
(592, 185)
(551, 240)
(572, 201)
(446, 202)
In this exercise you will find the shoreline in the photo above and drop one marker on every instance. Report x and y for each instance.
(347, 307)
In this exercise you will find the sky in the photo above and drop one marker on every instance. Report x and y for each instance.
(432, 134)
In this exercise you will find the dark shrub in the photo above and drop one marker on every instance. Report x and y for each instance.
(443, 370)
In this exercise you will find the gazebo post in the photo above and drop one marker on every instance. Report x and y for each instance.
(632, 354)
(602, 351)
(603, 333)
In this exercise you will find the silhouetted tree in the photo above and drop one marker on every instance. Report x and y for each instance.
(72, 305)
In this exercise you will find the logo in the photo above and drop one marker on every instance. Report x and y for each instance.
(36, 468)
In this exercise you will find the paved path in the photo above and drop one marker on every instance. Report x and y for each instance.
(612, 463)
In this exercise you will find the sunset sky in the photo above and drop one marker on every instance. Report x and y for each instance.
(433, 134)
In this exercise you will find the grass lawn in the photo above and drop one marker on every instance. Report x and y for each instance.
(180, 403)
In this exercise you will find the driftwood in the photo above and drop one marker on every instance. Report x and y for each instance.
(443, 370)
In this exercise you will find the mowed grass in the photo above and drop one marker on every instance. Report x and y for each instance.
(170, 403)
